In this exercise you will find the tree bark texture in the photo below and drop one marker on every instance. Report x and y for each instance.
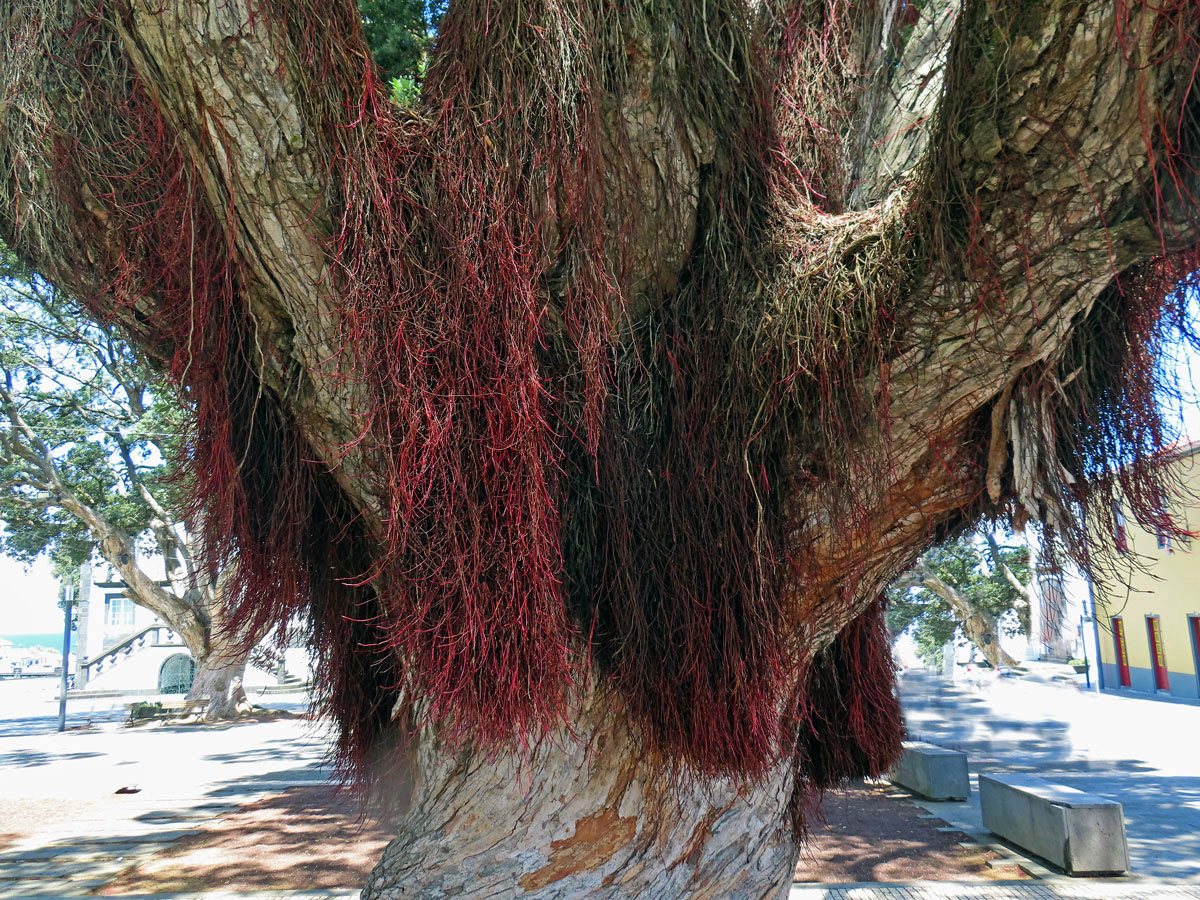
(897, 226)
(584, 815)
(221, 667)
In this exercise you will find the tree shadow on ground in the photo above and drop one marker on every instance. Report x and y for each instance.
(198, 723)
(31, 725)
(274, 750)
(864, 835)
(307, 838)
(1162, 811)
(25, 758)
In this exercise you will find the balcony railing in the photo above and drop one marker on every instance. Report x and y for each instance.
(150, 636)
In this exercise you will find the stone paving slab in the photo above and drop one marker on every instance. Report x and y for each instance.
(11, 870)
(36, 854)
(1075, 890)
(150, 837)
(347, 894)
(163, 817)
(19, 890)
(74, 845)
(73, 870)
(78, 850)
(1113, 889)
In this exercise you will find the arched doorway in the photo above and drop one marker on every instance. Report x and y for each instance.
(175, 676)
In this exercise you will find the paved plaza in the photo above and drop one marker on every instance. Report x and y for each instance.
(1141, 753)
(1073, 890)
(64, 831)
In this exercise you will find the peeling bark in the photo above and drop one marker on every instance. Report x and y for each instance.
(584, 816)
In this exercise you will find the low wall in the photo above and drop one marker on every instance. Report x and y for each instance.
(1081, 833)
(933, 772)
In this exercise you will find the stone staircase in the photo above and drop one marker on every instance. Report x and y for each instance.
(272, 661)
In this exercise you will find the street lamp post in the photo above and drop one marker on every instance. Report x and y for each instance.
(1087, 668)
(68, 609)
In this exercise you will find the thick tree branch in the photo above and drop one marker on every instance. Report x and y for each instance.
(977, 623)
(1004, 568)
(882, 288)
(177, 556)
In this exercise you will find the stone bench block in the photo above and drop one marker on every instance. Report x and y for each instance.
(1080, 833)
(933, 772)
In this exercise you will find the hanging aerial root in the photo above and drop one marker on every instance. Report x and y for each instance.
(548, 469)
(848, 710)
(573, 478)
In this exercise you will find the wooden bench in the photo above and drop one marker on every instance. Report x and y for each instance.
(142, 710)
(1080, 833)
(933, 772)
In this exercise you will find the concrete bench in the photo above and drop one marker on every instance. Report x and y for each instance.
(1080, 833)
(933, 772)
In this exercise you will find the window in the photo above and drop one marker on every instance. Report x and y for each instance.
(175, 676)
(1119, 528)
(118, 610)
(1164, 541)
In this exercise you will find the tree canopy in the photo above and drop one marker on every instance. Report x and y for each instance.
(84, 415)
(954, 581)
(400, 33)
(89, 439)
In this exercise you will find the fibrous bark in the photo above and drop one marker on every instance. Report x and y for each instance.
(614, 382)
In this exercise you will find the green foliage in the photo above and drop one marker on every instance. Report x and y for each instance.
(145, 710)
(399, 33)
(86, 418)
(929, 618)
(965, 565)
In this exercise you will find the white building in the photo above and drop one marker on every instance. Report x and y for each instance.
(20, 662)
(1060, 610)
(120, 646)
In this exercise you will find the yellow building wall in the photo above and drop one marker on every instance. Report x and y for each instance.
(1167, 585)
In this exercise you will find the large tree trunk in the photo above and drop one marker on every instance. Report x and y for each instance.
(583, 816)
(218, 679)
(196, 614)
(668, 340)
(977, 623)
(219, 676)
(980, 629)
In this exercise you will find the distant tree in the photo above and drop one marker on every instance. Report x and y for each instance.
(966, 584)
(87, 435)
(400, 33)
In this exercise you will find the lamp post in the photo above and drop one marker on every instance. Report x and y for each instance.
(1087, 668)
(68, 610)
